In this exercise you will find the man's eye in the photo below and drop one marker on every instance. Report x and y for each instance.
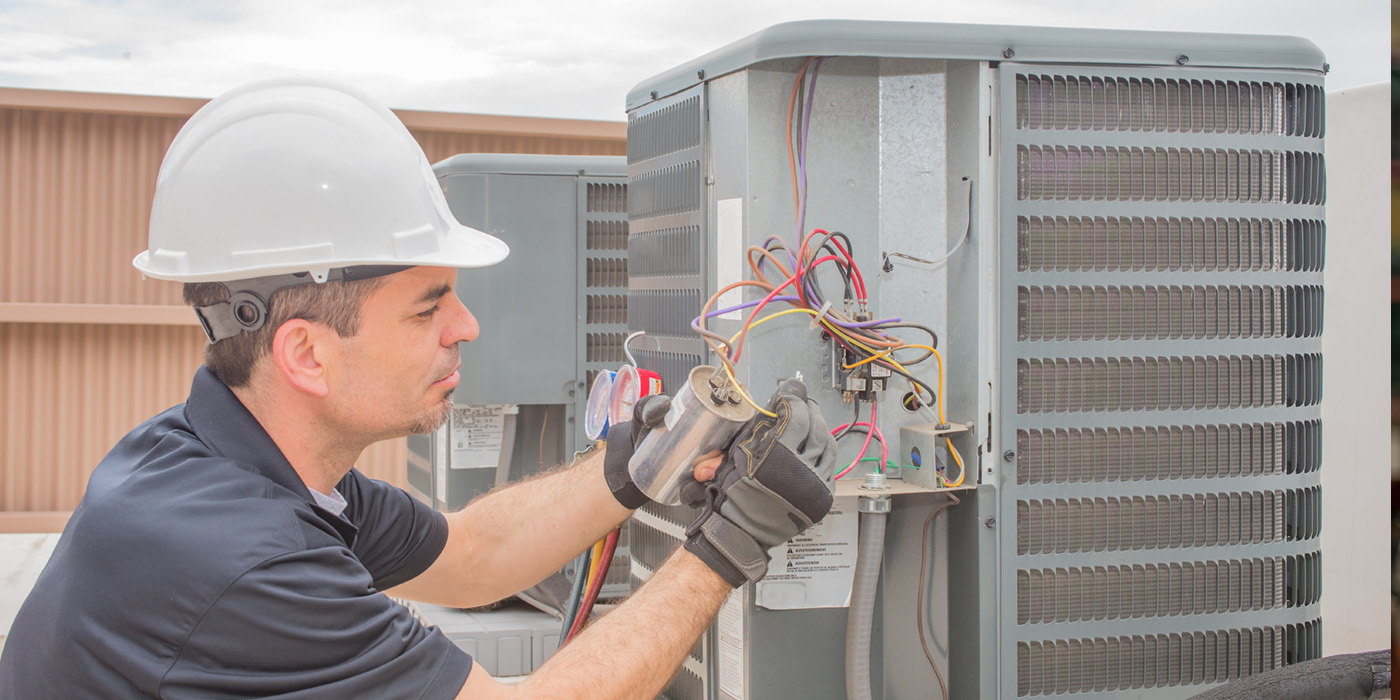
(429, 313)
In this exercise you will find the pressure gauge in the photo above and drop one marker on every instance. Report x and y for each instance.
(629, 385)
(595, 418)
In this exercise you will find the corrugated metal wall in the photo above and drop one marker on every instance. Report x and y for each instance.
(87, 348)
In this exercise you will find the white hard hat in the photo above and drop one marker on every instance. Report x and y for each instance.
(297, 176)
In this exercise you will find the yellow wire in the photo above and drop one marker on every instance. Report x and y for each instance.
(872, 358)
(593, 560)
(739, 387)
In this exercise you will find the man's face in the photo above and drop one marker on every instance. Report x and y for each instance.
(396, 375)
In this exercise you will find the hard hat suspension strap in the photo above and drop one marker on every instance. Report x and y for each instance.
(247, 306)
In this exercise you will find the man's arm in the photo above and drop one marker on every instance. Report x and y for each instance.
(632, 651)
(513, 537)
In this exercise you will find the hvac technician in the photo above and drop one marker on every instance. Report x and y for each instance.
(227, 548)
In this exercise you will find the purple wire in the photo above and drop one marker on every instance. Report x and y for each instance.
(787, 297)
(792, 260)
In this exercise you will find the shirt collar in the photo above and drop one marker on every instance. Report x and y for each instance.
(223, 423)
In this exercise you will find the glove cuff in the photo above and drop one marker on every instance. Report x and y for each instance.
(728, 550)
(622, 487)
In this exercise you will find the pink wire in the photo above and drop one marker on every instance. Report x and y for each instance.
(874, 432)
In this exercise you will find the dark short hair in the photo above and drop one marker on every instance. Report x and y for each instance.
(335, 304)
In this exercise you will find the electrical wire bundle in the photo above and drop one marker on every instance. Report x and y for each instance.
(864, 341)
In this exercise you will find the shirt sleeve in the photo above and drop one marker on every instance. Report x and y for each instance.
(399, 537)
(310, 625)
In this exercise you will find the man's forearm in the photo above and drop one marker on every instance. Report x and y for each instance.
(513, 537)
(632, 651)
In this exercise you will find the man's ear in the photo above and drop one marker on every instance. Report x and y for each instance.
(297, 356)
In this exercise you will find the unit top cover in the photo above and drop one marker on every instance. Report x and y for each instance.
(531, 164)
(984, 42)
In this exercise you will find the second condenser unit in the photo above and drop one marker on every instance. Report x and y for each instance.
(1115, 240)
(551, 315)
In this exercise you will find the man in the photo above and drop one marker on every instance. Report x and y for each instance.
(227, 548)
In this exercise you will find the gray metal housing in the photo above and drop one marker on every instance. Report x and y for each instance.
(1132, 325)
(551, 314)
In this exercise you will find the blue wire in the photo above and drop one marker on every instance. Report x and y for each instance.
(576, 596)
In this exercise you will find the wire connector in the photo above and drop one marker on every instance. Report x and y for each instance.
(821, 313)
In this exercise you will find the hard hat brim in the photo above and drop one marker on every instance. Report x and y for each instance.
(461, 247)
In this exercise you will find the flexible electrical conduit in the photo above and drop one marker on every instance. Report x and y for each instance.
(869, 552)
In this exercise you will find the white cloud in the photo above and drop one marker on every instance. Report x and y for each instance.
(544, 57)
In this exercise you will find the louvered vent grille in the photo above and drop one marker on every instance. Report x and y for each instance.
(605, 347)
(1154, 590)
(606, 197)
(664, 311)
(1144, 244)
(1162, 303)
(675, 127)
(667, 253)
(607, 272)
(603, 213)
(1156, 661)
(1097, 384)
(1093, 455)
(607, 308)
(1069, 102)
(685, 685)
(1167, 313)
(650, 546)
(607, 235)
(1098, 173)
(1151, 522)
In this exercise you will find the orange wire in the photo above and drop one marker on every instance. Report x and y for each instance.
(792, 159)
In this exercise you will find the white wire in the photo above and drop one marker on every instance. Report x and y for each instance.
(967, 233)
(627, 349)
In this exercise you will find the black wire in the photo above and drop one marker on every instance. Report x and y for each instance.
(852, 424)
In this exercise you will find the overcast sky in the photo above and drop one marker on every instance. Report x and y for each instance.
(552, 58)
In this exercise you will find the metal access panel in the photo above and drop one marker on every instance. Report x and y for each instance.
(551, 315)
(1132, 327)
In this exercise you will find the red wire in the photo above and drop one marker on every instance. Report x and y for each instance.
(865, 446)
(604, 561)
(850, 261)
(739, 347)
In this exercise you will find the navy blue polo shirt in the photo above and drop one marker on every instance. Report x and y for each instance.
(199, 566)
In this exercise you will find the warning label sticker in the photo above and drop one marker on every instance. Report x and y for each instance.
(477, 433)
(731, 645)
(815, 569)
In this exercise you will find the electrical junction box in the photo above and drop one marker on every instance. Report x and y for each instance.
(552, 314)
(1118, 239)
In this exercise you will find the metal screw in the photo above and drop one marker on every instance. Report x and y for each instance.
(655, 94)
(1008, 53)
(572, 393)
(700, 74)
(1008, 455)
(1182, 59)
(990, 522)
(1326, 68)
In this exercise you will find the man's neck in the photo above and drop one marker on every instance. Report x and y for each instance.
(319, 455)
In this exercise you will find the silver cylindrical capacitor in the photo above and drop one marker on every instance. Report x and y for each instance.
(704, 416)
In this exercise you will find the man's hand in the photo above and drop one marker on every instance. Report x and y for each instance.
(648, 413)
(775, 483)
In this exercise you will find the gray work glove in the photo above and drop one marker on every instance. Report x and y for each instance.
(648, 413)
(775, 482)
